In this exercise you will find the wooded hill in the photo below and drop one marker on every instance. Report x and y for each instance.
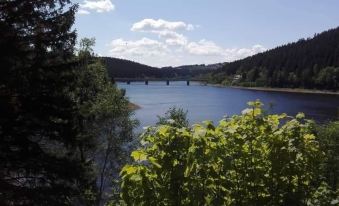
(311, 63)
(121, 68)
(307, 63)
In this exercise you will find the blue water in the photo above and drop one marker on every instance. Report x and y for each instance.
(212, 103)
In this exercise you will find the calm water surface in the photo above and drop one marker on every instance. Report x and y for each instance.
(213, 103)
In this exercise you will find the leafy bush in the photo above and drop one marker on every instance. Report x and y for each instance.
(324, 196)
(329, 142)
(176, 117)
(248, 159)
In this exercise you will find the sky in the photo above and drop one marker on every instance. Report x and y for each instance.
(182, 32)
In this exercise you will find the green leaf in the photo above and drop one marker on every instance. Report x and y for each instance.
(175, 162)
(300, 115)
(135, 178)
(129, 169)
(139, 155)
(154, 162)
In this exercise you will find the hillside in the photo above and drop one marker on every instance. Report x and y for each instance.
(128, 69)
(121, 68)
(308, 63)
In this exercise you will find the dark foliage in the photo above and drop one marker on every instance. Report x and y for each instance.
(174, 117)
(40, 162)
(104, 115)
(329, 142)
(307, 63)
(120, 68)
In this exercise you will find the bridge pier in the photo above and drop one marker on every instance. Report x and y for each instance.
(188, 82)
(167, 82)
(146, 82)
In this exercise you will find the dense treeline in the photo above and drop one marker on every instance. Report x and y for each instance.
(308, 63)
(248, 159)
(64, 128)
(128, 69)
(121, 68)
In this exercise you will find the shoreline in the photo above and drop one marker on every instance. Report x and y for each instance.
(286, 90)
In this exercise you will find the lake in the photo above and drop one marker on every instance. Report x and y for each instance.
(213, 103)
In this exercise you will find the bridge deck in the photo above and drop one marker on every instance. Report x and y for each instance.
(157, 79)
(146, 80)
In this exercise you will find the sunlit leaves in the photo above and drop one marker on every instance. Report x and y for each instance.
(128, 169)
(139, 155)
(248, 159)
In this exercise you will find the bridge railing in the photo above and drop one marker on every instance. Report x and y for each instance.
(147, 80)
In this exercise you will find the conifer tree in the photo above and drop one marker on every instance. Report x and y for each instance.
(40, 157)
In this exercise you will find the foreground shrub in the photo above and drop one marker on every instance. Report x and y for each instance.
(248, 159)
(329, 142)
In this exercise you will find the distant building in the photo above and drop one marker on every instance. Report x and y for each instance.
(236, 77)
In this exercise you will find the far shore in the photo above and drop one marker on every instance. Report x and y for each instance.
(290, 90)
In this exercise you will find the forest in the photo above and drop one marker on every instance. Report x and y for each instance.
(311, 63)
(66, 133)
(121, 68)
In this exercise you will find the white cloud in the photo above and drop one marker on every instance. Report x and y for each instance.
(158, 53)
(146, 25)
(209, 48)
(143, 47)
(204, 47)
(240, 53)
(144, 50)
(164, 29)
(99, 6)
(172, 38)
(83, 12)
(173, 48)
(190, 27)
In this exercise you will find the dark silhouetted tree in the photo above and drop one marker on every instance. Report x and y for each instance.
(40, 157)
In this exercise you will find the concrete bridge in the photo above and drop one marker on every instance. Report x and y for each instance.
(147, 80)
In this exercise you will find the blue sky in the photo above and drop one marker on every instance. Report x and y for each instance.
(179, 32)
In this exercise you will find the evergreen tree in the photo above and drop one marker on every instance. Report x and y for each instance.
(40, 161)
(64, 128)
